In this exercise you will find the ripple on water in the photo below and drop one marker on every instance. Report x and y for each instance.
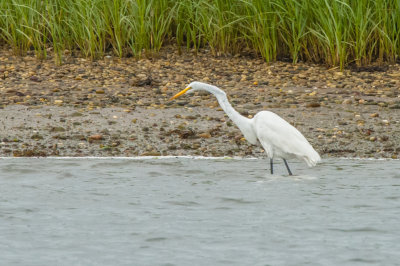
(194, 172)
(238, 200)
(393, 198)
(156, 239)
(361, 206)
(182, 203)
(66, 174)
(359, 230)
(362, 260)
(19, 169)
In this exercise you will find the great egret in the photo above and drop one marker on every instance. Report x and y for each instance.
(278, 138)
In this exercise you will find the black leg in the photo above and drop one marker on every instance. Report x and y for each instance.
(272, 166)
(287, 166)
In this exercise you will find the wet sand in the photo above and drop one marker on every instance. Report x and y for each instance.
(119, 107)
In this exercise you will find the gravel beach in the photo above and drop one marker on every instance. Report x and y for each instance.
(120, 107)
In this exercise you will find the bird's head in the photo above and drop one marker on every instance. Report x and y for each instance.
(192, 87)
(196, 86)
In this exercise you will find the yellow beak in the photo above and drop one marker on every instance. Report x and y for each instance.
(179, 93)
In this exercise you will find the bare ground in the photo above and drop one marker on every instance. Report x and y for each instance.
(119, 107)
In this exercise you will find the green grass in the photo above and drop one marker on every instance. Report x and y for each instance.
(333, 32)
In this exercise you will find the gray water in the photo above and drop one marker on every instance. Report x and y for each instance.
(181, 211)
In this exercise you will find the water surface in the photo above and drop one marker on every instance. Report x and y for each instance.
(182, 211)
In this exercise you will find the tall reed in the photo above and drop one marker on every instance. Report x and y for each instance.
(333, 32)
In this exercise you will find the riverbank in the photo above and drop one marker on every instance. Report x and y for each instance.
(119, 107)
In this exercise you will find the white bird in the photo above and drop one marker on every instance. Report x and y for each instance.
(278, 138)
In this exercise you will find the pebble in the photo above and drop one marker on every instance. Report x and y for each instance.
(205, 135)
(395, 106)
(34, 78)
(36, 137)
(347, 101)
(76, 114)
(57, 129)
(95, 137)
(313, 105)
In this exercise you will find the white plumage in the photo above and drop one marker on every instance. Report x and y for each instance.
(278, 138)
(281, 139)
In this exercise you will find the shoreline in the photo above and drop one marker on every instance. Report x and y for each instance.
(118, 107)
(133, 158)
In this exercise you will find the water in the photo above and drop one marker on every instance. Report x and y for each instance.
(181, 211)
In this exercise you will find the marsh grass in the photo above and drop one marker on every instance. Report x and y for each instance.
(334, 32)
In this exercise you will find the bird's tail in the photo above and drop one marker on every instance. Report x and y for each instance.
(312, 159)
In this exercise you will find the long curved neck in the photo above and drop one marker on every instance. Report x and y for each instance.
(234, 115)
(244, 124)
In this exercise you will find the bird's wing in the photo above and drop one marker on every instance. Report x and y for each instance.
(279, 137)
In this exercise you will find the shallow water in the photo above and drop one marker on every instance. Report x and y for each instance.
(182, 211)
